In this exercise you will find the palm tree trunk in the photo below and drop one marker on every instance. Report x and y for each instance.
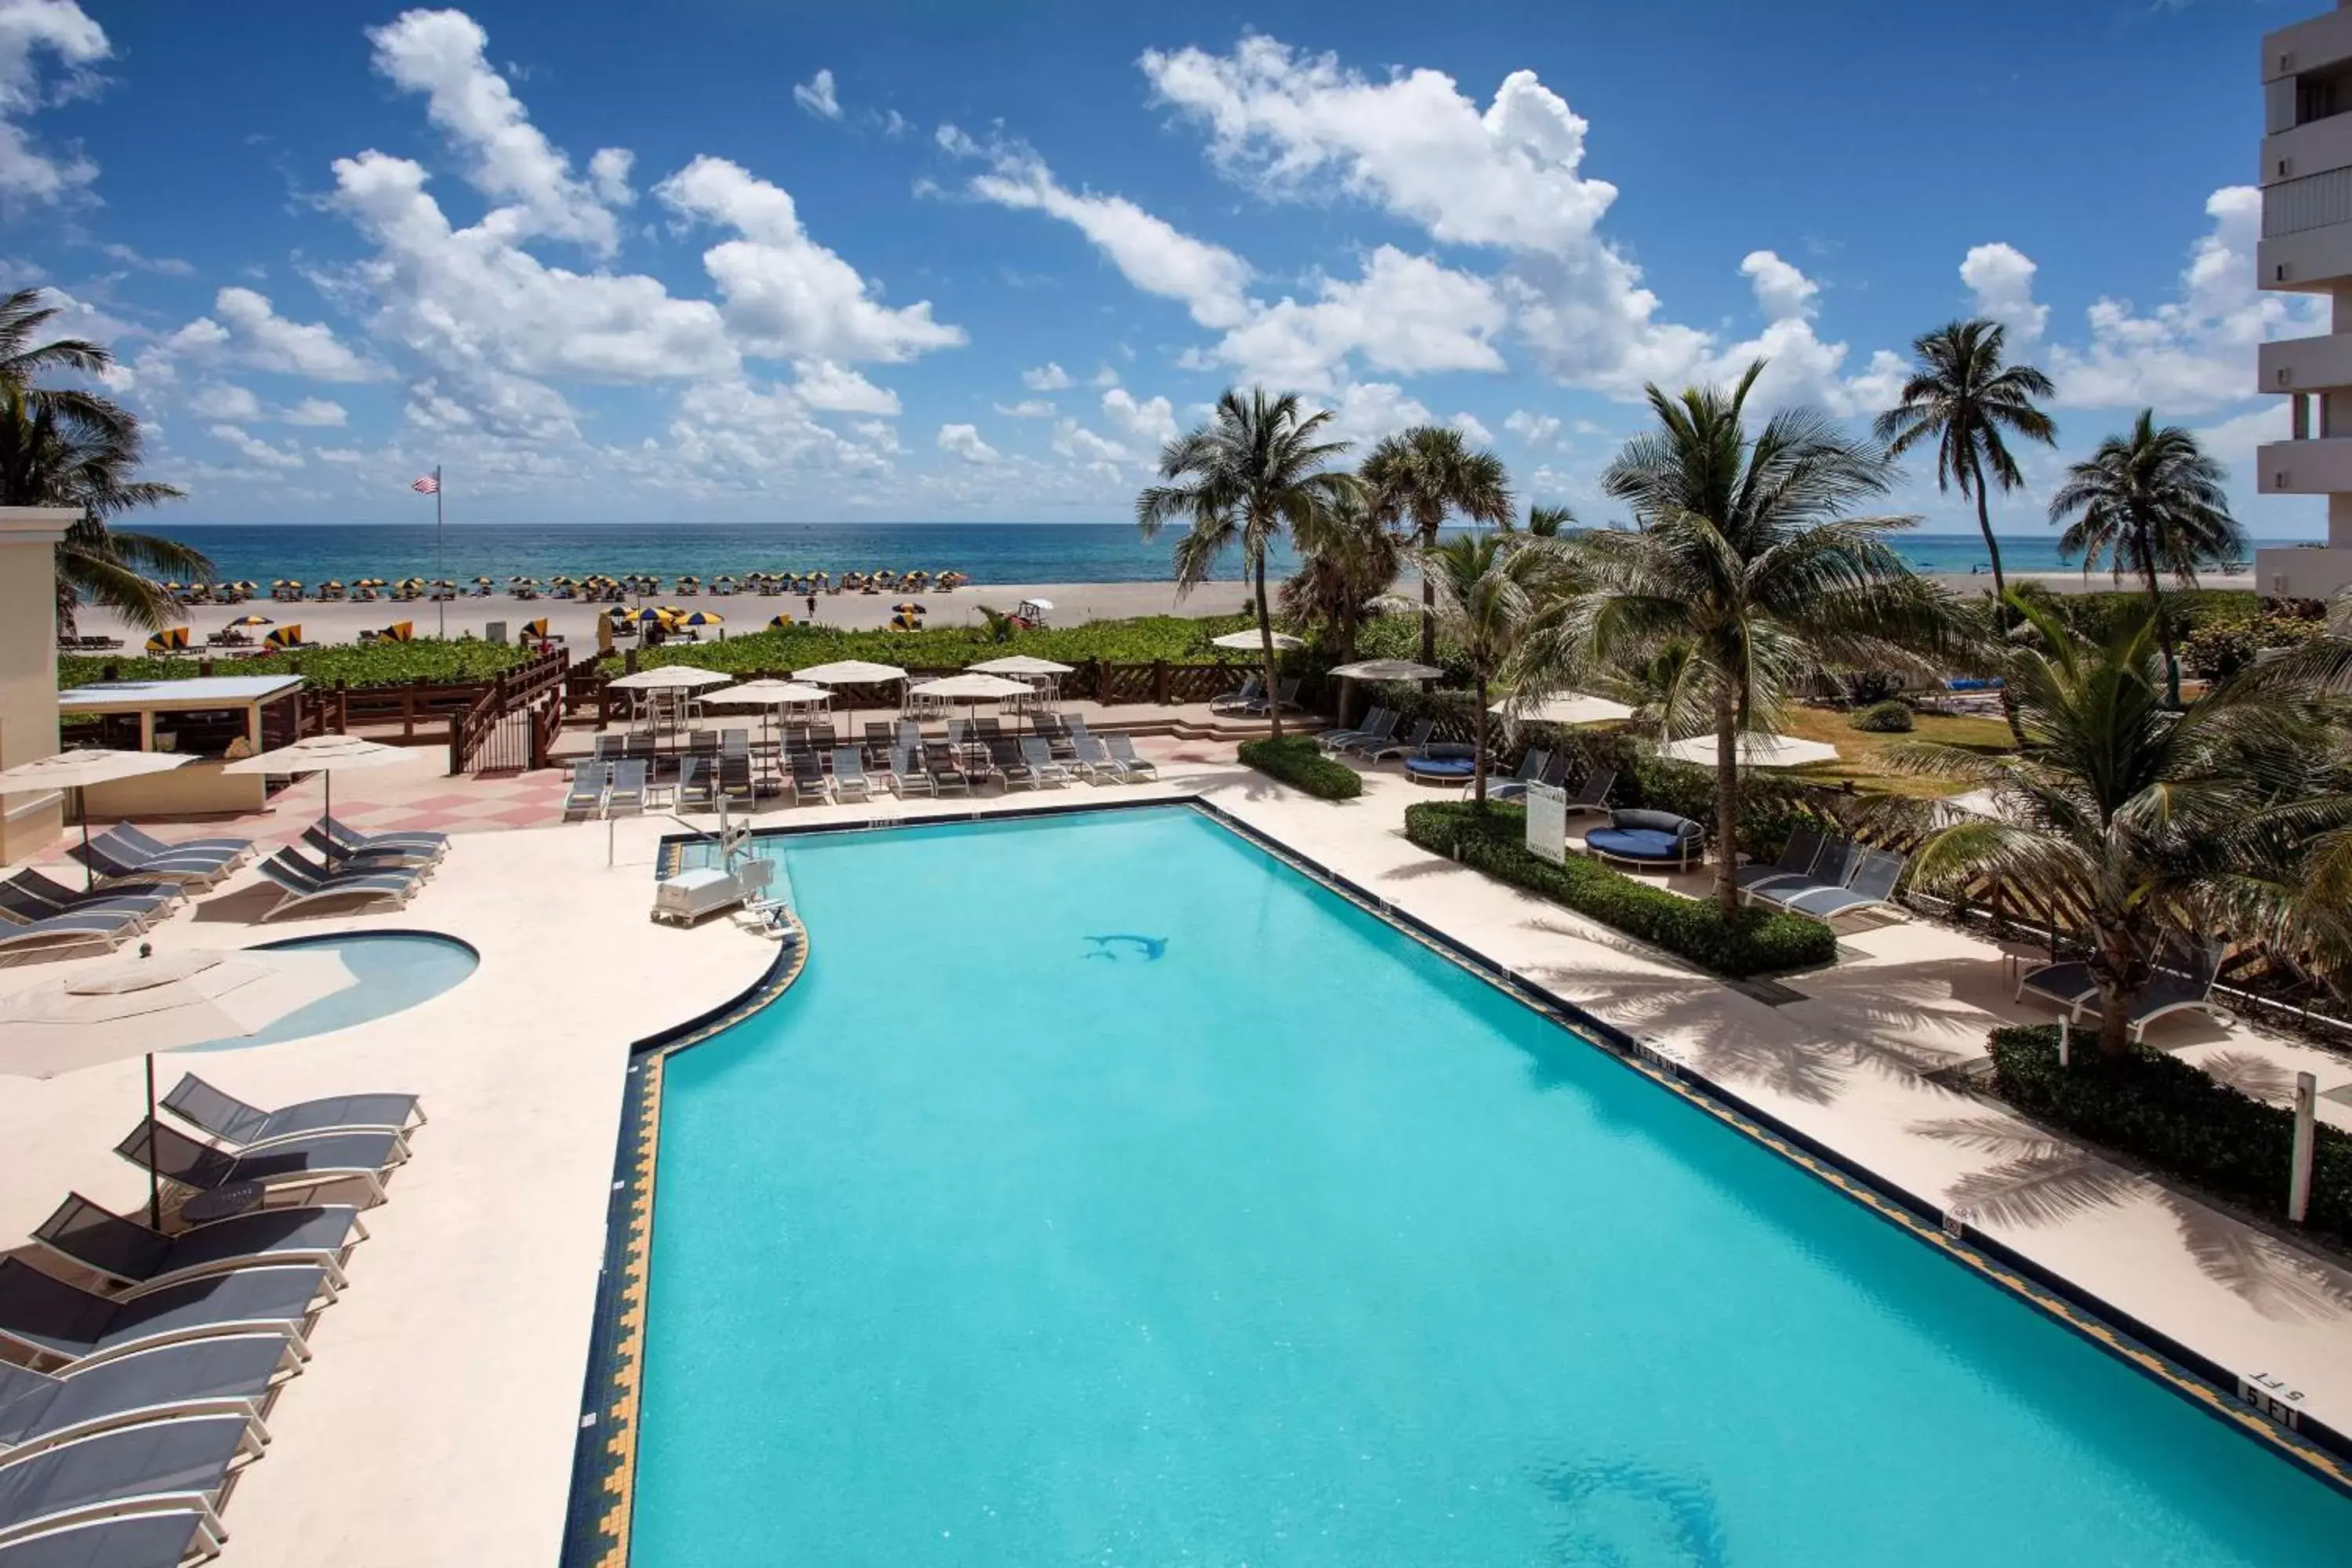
(2000, 611)
(2121, 977)
(1428, 602)
(2163, 635)
(1478, 739)
(1727, 801)
(1266, 650)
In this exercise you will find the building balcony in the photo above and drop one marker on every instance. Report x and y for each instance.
(2315, 467)
(2305, 572)
(2310, 262)
(2307, 150)
(2305, 364)
(2309, 46)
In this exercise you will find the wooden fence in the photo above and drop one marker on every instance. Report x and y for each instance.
(502, 727)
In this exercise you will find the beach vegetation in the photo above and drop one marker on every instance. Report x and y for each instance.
(2151, 501)
(1892, 717)
(1298, 762)
(359, 665)
(1349, 560)
(1142, 640)
(1254, 471)
(1484, 592)
(1417, 478)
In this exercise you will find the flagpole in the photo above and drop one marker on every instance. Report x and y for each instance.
(440, 562)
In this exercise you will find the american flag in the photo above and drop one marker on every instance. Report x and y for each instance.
(430, 485)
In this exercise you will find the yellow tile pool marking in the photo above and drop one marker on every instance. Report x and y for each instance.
(628, 1375)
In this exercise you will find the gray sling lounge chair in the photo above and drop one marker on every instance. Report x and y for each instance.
(47, 1320)
(1832, 865)
(339, 861)
(1869, 885)
(1243, 696)
(809, 782)
(945, 765)
(1038, 752)
(2068, 985)
(231, 1374)
(1796, 861)
(584, 797)
(908, 774)
(1004, 759)
(1095, 760)
(2179, 985)
(108, 929)
(137, 1259)
(163, 1540)
(28, 896)
(1132, 767)
(232, 1120)
(301, 884)
(628, 796)
(1378, 726)
(353, 840)
(235, 851)
(110, 859)
(312, 1160)
(1531, 770)
(849, 781)
(1372, 751)
(181, 1464)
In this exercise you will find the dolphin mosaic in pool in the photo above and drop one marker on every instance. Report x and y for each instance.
(1149, 949)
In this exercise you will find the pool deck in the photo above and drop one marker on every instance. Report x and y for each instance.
(437, 1425)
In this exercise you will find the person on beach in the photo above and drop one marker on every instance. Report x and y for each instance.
(812, 606)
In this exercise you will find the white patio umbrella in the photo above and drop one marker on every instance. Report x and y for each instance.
(850, 672)
(1022, 664)
(1563, 708)
(1757, 749)
(1387, 670)
(136, 1006)
(81, 768)
(767, 696)
(325, 755)
(968, 688)
(1246, 641)
(669, 677)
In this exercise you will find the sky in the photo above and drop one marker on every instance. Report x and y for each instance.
(727, 259)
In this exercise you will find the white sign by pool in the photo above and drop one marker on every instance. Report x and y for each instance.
(1548, 823)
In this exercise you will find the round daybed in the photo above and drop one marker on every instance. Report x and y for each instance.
(1658, 840)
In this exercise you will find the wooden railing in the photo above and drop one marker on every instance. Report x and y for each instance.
(473, 731)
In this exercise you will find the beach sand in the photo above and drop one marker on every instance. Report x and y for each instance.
(1072, 603)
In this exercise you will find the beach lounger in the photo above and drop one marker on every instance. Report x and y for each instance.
(1096, 762)
(1132, 767)
(405, 838)
(213, 863)
(1830, 866)
(849, 782)
(1869, 885)
(137, 1259)
(233, 1121)
(301, 884)
(945, 765)
(71, 899)
(1038, 752)
(1344, 731)
(735, 776)
(163, 1540)
(237, 850)
(108, 929)
(1796, 861)
(47, 1320)
(1377, 727)
(908, 775)
(907, 735)
(1375, 750)
(1530, 769)
(608, 748)
(109, 863)
(229, 1375)
(628, 796)
(180, 1465)
(20, 906)
(1240, 697)
(1286, 693)
(316, 1160)
(697, 785)
(585, 795)
(337, 860)
(2178, 985)
(808, 778)
(2068, 985)
(1005, 761)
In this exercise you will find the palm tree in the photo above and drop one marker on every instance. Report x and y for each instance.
(22, 315)
(47, 458)
(1417, 477)
(1484, 595)
(1745, 554)
(1348, 560)
(2152, 502)
(1543, 522)
(2160, 824)
(1254, 470)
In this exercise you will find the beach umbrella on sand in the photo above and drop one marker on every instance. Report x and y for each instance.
(1757, 749)
(81, 768)
(325, 755)
(252, 620)
(909, 608)
(136, 1006)
(778, 623)
(1246, 641)
(702, 618)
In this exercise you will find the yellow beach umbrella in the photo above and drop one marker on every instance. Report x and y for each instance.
(780, 623)
(537, 629)
(250, 620)
(285, 636)
(399, 631)
(702, 618)
(173, 639)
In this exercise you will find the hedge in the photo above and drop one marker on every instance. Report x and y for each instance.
(1296, 760)
(2173, 1115)
(1888, 718)
(1754, 943)
(353, 664)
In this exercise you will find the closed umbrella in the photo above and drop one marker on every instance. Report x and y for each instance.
(326, 755)
(1757, 749)
(82, 768)
(135, 1007)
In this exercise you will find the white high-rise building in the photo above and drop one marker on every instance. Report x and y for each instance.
(2306, 247)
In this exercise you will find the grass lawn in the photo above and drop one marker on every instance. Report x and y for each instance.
(1857, 749)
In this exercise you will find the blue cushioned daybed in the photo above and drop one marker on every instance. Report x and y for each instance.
(1657, 838)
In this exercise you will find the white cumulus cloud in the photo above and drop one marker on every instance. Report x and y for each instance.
(62, 34)
(257, 449)
(2001, 276)
(816, 95)
(1534, 429)
(1152, 421)
(963, 441)
(1047, 377)
(316, 412)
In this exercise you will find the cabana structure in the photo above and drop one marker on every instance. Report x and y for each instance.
(213, 718)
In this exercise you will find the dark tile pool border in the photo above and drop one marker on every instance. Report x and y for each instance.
(603, 1477)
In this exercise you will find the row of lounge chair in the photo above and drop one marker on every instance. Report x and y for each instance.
(2181, 982)
(1826, 876)
(132, 1405)
(1250, 696)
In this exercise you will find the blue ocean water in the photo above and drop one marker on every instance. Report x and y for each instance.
(1193, 1215)
(988, 553)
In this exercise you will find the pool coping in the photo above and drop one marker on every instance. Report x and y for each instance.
(596, 1528)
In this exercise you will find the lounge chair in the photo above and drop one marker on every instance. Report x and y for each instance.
(71, 899)
(1240, 697)
(237, 850)
(405, 838)
(1554, 776)
(1096, 762)
(908, 775)
(2068, 985)
(212, 863)
(1869, 885)
(1038, 752)
(339, 861)
(318, 1160)
(585, 795)
(181, 1465)
(945, 766)
(301, 884)
(1390, 746)
(849, 781)
(233, 1121)
(162, 1540)
(137, 1259)
(2182, 985)
(47, 1320)
(21, 906)
(1376, 729)
(1653, 840)
(809, 782)
(108, 929)
(1286, 693)
(628, 796)
(1530, 771)
(1796, 861)
(1592, 795)
(230, 1375)
(1132, 768)
(735, 776)
(988, 731)
(1831, 864)
(109, 860)
(697, 785)
(1331, 736)
(608, 748)
(1005, 760)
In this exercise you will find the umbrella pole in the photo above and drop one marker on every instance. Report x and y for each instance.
(88, 872)
(154, 1181)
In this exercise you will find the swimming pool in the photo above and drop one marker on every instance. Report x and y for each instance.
(1105, 1191)
(395, 971)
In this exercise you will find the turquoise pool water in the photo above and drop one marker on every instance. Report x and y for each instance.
(395, 971)
(1105, 1192)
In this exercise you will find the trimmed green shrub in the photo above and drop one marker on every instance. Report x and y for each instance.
(1888, 718)
(2171, 1114)
(1495, 842)
(1296, 760)
(353, 664)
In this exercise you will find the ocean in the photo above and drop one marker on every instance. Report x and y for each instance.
(994, 552)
